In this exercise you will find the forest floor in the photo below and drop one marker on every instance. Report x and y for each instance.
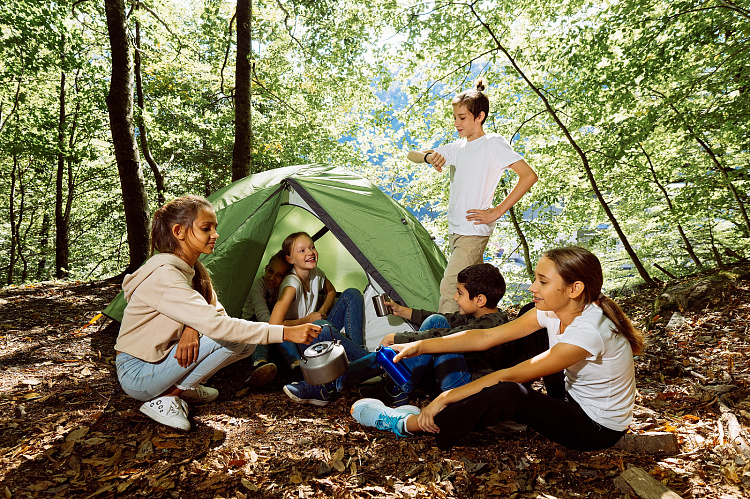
(68, 430)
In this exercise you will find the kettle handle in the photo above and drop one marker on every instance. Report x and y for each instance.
(330, 332)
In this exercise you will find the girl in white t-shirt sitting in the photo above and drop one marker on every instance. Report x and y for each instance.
(305, 285)
(590, 338)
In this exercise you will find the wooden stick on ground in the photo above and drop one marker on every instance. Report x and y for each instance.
(646, 486)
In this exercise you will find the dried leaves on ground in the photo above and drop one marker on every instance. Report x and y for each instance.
(68, 430)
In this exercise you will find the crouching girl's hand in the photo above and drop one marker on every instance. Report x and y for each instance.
(426, 418)
(188, 347)
(304, 333)
(406, 350)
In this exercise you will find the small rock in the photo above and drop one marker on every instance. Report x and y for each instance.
(323, 468)
(676, 321)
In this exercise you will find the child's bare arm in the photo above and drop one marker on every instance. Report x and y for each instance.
(429, 156)
(278, 315)
(526, 178)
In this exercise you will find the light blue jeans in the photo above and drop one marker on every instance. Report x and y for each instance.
(147, 380)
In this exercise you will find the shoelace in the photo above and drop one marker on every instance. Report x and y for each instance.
(388, 423)
(174, 407)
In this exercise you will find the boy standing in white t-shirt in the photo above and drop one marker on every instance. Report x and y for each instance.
(476, 166)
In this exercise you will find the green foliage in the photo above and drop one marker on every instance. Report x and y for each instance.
(628, 79)
(656, 94)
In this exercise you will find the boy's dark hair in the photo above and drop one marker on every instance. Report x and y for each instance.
(474, 100)
(483, 279)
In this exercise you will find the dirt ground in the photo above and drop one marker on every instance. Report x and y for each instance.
(68, 430)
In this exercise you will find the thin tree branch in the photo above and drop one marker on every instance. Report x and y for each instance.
(226, 52)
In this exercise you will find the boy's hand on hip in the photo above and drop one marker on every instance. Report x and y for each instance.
(482, 217)
(304, 333)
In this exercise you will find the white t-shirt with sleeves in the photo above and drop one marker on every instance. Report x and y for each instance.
(478, 166)
(603, 384)
(304, 303)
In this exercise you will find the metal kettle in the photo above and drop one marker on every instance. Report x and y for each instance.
(323, 362)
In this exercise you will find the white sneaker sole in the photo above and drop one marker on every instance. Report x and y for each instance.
(172, 422)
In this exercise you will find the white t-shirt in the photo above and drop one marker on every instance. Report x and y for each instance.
(604, 383)
(478, 166)
(304, 303)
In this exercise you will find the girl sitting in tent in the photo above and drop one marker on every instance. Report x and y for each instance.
(263, 295)
(174, 333)
(306, 284)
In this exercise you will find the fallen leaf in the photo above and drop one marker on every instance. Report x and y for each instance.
(218, 436)
(249, 485)
(76, 434)
(160, 443)
(40, 486)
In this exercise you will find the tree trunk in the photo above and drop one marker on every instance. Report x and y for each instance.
(524, 242)
(685, 240)
(43, 242)
(704, 145)
(120, 106)
(714, 249)
(581, 154)
(158, 178)
(12, 215)
(62, 251)
(241, 152)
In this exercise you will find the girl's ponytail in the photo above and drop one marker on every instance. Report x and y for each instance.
(623, 325)
(480, 84)
(202, 282)
(575, 263)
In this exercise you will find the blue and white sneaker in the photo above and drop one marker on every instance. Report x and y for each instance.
(374, 413)
(304, 393)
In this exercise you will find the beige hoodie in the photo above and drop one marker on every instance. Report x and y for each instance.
(161, 301)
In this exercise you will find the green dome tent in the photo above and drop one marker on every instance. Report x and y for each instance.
(365, 239)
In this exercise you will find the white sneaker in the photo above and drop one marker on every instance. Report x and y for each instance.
(200, 394)
(170, 411)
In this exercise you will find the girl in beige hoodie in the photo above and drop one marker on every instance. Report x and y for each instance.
(174, 333)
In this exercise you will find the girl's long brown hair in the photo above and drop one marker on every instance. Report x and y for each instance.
(183, 212)
(575, 263)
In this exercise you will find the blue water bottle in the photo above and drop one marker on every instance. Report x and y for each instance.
(396, 370)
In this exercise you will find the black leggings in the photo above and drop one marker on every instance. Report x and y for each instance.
(562, 421)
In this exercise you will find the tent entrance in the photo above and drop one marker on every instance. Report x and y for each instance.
(333, 258)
